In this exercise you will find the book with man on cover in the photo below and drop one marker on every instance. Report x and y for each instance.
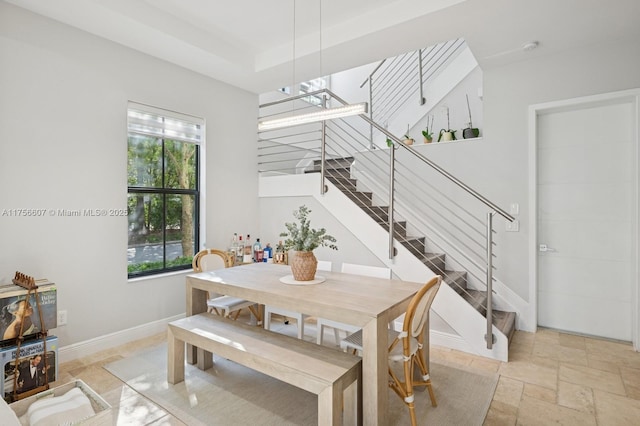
(34, 368)
(17, 312)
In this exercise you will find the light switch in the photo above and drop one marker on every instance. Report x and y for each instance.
(512, 226)
(514, 208)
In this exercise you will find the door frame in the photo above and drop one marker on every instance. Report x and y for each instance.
(632, 96)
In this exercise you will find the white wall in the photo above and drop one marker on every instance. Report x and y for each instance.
(456, 101)
(275, 211)
(346, 84)
(63, 145)
(497, 165)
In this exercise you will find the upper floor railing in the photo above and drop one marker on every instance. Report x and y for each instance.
(396, 81)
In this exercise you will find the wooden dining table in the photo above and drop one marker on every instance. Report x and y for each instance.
(370, 303)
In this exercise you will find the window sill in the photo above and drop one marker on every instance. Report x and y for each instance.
(163, 275)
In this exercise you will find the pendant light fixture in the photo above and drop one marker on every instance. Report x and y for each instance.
(315, 116)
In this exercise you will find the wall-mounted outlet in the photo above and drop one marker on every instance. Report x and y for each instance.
(512, 226)
(62, 318)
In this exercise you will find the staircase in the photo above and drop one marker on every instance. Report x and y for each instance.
(441, 224)
(337, 171)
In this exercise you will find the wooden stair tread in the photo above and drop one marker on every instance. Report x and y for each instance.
(339, 174)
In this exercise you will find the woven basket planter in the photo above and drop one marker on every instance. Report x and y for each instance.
(303, 265)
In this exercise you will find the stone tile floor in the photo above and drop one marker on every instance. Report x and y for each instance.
(551, 378)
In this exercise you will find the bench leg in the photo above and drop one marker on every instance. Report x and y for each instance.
(351, 399)
(330, 406)
(175, 358)
(204, 359)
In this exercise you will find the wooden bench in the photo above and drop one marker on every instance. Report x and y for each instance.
(323, 371)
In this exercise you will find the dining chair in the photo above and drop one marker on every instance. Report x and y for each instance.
(350, 268)
(408, 347)
(323, 265)
(210, 259)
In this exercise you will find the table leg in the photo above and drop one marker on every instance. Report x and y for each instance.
(196, 301)
(375, 370)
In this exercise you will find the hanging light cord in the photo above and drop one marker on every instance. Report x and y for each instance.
(320, 32)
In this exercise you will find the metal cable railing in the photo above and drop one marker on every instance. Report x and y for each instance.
(396, 81)
(421, 198)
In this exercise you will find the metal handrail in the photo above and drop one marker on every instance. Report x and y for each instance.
(393, 81)
(330, 147)
(399, 143)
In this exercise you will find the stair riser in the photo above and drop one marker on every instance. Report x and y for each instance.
(435, 263)
(362, 199)
(399, 229)
(415, 246)
(338, 173)
(344, 185)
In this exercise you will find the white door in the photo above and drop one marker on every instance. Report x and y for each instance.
(585, 186)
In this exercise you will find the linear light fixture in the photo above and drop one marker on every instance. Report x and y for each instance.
(312, 117)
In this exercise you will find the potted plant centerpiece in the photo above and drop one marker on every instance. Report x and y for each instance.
(303, 239)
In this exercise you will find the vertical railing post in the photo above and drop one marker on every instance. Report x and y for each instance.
(371, 111)
(392, 157)
(323, 152)
(422, 100)
(489, 338)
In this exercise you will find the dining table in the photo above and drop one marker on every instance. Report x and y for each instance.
(366, 302)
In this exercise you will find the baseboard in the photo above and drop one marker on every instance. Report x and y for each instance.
(97, 344)
(440, 338)
(451, 341)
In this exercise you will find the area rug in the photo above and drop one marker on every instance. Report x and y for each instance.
(229, 393)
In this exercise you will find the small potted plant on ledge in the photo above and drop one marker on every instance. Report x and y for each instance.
(428, 131)
(470, 132)
(447, 134)
(303, 239)
(408, 140)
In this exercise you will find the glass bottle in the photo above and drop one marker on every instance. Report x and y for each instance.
(268, 253)
(239, 251)
(247, 258)
(279, 256)
(232, 247)
(257, 251)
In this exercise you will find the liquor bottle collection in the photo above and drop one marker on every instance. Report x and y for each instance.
(243, 251)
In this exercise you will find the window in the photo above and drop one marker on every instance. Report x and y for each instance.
(308, 87)
(312, 86)
(163, 190)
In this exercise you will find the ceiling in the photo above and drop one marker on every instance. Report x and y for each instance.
(251, 43)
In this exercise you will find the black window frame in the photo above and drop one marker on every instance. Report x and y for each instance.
(164, 192)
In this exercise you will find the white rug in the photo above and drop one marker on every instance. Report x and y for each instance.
(232, 394)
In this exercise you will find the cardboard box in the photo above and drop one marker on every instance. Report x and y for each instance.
(13, 310)
(28, 351)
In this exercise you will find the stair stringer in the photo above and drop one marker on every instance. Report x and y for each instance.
(504, 298)
(453, 309)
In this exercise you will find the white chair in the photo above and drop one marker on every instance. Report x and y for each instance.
(350, 268)
(210, 259)
(323, 265)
